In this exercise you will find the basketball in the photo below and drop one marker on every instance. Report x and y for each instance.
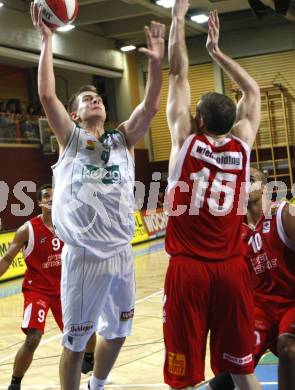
(58, 13)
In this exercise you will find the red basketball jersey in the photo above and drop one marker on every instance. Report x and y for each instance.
(246, 231)
(271, 255)
(207, 198)
(43, 259)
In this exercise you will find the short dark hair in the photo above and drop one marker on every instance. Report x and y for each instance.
(72, 103)
(218, 112)
(40, 189)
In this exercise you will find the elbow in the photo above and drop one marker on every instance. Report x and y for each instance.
(178, 69)
(46, 98)
(252, 90)
(256, 89)
(151, 110)
(173, 71)
(156, 106)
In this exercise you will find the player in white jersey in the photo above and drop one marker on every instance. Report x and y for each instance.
(92, 209)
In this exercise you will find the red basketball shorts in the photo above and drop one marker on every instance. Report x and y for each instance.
(200, 296)
(272, 320)
(36, 306)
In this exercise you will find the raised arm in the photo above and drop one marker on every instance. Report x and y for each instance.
(178, 104)
(58, 118)
(138, 123)
(248, 109)
(20, 239)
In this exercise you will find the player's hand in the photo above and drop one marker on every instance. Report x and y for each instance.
(180, 8)
(213, 32)
(155, 38)
(40, 26)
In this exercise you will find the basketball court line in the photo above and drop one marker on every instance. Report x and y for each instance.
(46, 341)
(126, 386)
(266, 380)
(14, 286)
(201, 387)
(151, 385)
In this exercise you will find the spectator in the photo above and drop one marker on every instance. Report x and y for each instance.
(41, 111)
(3, 121)
(7, 122)
(32, 110)
(30, 128)
(13, 106)
(2, 106)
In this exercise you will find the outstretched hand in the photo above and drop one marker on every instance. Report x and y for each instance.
(180, 8)
(38, 23)
(213, 32)
(155, 38)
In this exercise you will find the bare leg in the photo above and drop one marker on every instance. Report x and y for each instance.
(25, 354)
(70, 369)
(286, 350)
(90, 347)
(246, 382)
(106, 354)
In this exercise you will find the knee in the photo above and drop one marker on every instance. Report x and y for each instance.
(286, 348)
(69, 355)
(119, 341)
(32, 341)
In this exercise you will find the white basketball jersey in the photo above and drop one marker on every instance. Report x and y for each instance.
(93, 197)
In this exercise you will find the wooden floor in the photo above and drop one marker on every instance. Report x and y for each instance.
(139, 365)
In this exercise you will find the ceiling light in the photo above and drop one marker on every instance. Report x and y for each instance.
(128, 48)
(68, 27)
(165, 3)
(201, 18)
(1, 4)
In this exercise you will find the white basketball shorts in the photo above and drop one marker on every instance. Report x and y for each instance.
(96, 294)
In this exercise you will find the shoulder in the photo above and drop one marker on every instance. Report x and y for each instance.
(245, 231)
(189, 142)
(239, 142)
(22, 233)
(288, 213)
(286, 224)
(243, 131)
(247, 228)
(23, 228)
(34, 221)
(119, 132)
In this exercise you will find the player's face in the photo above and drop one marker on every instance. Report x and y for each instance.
(90, 106)
(46, 200)
(255, 209)
(256, 189)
